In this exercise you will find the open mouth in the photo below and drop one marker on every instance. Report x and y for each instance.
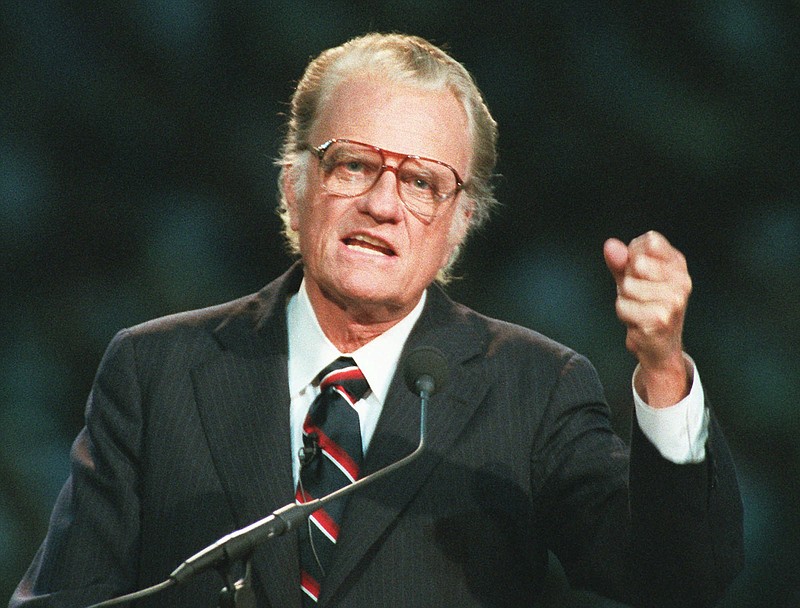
(368, 245)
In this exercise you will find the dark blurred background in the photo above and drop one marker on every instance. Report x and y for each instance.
(136, 180)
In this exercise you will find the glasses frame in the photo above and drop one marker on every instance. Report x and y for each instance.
(319, 152)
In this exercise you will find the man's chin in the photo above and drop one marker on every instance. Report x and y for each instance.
(372, 295)
(370, 292)
(374, 301)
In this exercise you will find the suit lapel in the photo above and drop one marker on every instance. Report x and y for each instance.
(243, 401)
(370, 511)
(247, 382)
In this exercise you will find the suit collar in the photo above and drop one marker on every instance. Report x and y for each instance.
(245, 383)
(257, 325)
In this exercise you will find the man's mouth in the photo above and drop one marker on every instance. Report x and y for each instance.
(368, 245)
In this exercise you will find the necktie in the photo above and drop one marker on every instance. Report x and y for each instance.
(332, 430)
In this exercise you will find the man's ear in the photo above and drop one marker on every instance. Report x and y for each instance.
(290, 194)
(459, 227)
(460, 223)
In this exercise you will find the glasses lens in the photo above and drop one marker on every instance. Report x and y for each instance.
(350, 169)
(425, 184)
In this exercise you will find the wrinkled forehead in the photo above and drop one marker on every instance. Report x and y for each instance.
(396, 116)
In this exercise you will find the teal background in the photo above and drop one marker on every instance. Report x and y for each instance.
(136, 180)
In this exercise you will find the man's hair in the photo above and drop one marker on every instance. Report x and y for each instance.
(403, 59)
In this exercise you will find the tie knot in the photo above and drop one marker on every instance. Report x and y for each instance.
(344, 374)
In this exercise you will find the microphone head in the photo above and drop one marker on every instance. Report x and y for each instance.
(425, 361)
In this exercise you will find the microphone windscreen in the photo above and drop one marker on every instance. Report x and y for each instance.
(425, 361)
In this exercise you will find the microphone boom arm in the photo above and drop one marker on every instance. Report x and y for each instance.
(425, 372)
(241, 543)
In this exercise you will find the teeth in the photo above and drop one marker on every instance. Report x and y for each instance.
(368, 245)
(369, 241)
(365, 249)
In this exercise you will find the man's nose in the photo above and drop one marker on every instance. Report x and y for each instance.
(382, 201)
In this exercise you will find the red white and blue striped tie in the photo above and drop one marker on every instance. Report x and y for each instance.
(332, 424)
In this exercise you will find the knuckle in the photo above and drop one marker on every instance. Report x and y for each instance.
(675, 301)
(653, 240)
(662, 320)
(625, 286)
(640, 265)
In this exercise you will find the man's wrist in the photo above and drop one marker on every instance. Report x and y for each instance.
(678, 432)
(666, 385)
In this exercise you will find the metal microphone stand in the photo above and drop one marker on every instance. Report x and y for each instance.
(239, 546)
(240, 594)
(237, 594)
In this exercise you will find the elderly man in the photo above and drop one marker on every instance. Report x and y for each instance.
(204, 422)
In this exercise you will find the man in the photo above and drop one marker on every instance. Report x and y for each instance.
(198, 423)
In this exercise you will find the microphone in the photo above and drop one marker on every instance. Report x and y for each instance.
(309, 451)
(425, 372)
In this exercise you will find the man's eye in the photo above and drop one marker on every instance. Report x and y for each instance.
(420, 183)
(353, 166)
(344, 166)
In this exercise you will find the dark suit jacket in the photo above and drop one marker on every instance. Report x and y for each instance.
(187, 438)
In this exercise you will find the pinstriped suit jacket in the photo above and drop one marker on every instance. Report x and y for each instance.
(187, 438)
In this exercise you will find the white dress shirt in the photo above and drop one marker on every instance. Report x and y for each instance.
(678, 432)
(310, 351)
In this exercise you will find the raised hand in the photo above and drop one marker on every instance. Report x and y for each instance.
(653, 287)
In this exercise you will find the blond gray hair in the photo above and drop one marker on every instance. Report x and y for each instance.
(403, 59)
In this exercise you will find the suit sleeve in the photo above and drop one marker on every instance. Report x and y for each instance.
(688, 517)
(629, 524)
(91, 548)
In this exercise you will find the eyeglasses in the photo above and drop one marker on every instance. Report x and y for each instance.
(351, 168)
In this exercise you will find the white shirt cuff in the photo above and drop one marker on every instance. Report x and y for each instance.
(678, 432)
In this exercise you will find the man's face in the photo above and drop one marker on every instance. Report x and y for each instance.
(369, 254)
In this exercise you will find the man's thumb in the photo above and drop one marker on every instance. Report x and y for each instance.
(616, 254)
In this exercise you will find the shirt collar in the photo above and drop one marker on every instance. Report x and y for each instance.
(310, 350)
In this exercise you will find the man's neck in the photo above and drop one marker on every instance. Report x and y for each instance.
(350, 326)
